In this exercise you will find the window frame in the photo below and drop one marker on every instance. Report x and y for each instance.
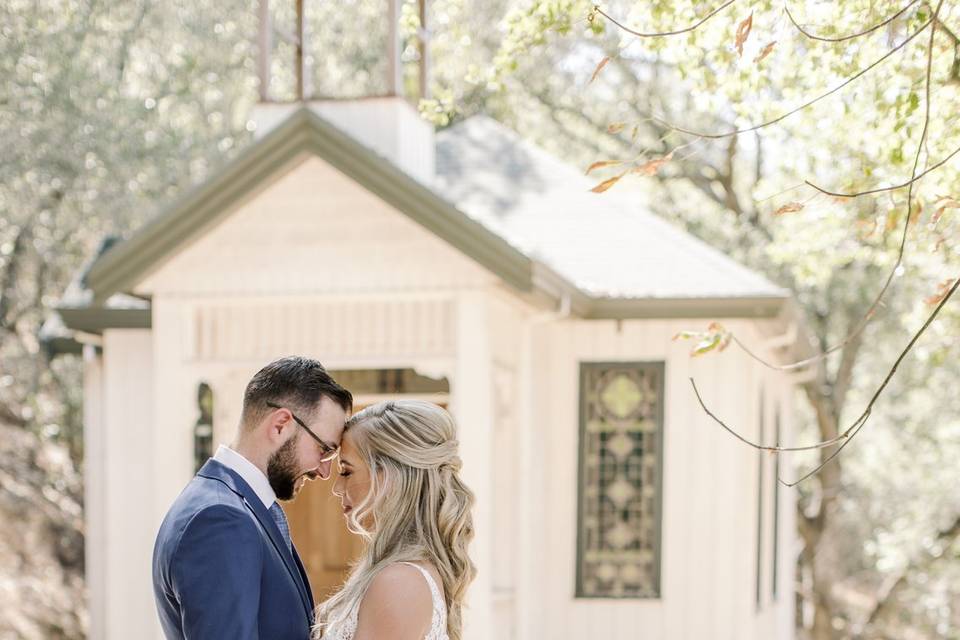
(658, 369)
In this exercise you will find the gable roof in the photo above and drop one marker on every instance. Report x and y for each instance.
(304, 132)
(522, 214)
(608, 246)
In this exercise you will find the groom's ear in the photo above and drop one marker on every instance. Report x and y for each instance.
(278, 420)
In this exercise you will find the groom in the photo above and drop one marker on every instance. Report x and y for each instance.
(223, 563)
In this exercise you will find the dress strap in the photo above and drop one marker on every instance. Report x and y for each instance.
(434, 589)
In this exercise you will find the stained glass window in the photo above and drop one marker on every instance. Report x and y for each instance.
(621, 447)
(203, 428)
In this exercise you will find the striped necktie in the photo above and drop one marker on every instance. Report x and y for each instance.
(281, 519)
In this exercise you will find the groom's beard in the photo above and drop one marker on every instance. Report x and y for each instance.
(282, 470)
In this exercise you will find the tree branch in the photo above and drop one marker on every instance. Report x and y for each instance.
(908, 183)
(865, 320)
(809, 103)
(854, 429)
(844, 375)
(597, 10)
(852, 36)
(847, 436)
(11, 272)
(889, 592)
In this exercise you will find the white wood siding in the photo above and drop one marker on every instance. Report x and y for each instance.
(314, 231)
(708, 556)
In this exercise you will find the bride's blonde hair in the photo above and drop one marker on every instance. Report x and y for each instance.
(419, 507)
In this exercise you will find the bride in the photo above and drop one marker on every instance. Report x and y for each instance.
(400, 489)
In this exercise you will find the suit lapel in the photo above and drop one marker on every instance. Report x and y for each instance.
(216, 471)
(306, 581)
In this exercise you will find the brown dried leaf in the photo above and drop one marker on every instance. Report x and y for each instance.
(602, 164)
(616, 127)
(743, 32)
(596, 72)
(942, 289)
(609, 182)
(650, 167)
(765, 52)
(945, 203)
(893, 221)
(790, 207)
(866, 228)
(915, 212)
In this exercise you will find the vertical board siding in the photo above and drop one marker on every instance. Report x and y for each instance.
(264, 328)
(709, 500)
(336, 238)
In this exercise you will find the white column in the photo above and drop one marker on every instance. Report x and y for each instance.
(175, 387)
(124, 461)
(94, 471)
(473, 406)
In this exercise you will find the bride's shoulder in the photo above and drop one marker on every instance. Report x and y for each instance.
(398, 602)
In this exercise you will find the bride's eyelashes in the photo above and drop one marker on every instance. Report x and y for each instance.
(345, 474)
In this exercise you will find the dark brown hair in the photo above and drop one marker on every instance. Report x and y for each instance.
(293, 381)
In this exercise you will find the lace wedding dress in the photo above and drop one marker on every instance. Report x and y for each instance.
(438, 625)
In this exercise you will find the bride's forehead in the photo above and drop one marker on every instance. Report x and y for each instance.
(348, 448)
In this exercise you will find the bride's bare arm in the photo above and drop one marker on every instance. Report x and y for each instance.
(397, 605)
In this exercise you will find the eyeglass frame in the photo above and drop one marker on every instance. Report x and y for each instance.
(329, 452)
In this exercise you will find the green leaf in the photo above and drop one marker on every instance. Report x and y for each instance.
(707, 345)
(914, 103)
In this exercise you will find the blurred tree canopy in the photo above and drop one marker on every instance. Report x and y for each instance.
(878, 559)
(109, 109)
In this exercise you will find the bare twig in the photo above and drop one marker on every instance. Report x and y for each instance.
(908, 183)
(852, 431)
(844, 438)
(805, 105)
(813, 36)
(640, 34)
(872, 309)
(758, 445)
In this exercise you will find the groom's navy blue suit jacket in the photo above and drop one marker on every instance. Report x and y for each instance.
(221, 569)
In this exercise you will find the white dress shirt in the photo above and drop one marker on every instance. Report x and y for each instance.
(250, 473)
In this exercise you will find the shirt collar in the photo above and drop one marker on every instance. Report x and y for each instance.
(250, 473)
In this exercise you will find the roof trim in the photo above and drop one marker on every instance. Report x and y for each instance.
(734, 307)
(96, 319)
(303, 133)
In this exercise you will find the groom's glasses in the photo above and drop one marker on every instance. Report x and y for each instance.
(329, 452)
